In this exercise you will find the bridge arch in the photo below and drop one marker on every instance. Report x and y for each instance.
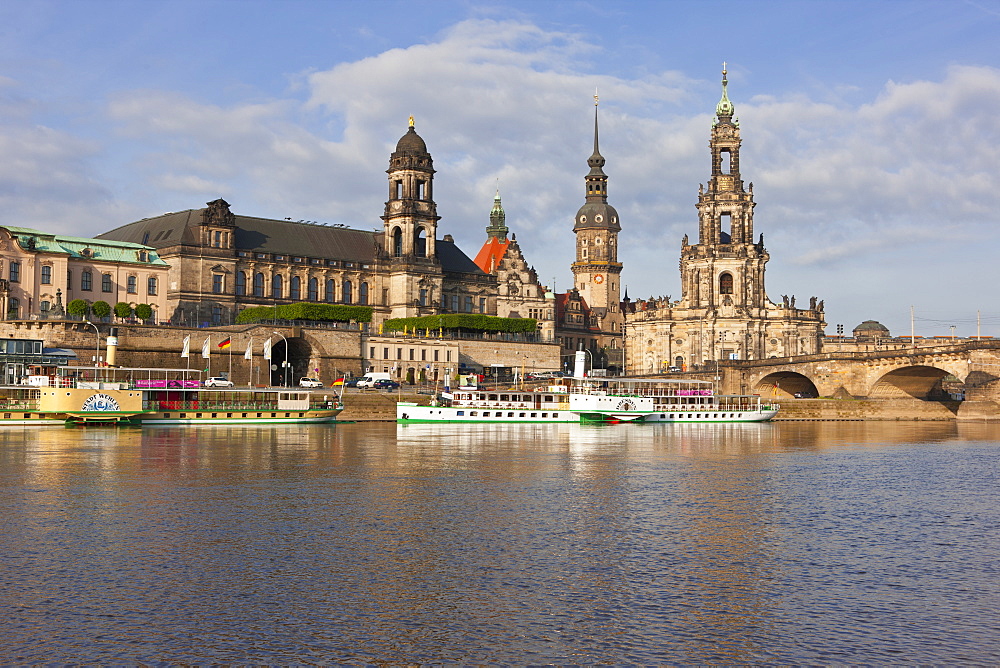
(917, 382)
(785, 384)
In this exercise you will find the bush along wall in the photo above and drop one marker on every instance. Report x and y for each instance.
(305, 311)
(469, 322)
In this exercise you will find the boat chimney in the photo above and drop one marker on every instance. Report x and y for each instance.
(580, 364)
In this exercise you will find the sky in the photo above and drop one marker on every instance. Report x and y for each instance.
(870, 129)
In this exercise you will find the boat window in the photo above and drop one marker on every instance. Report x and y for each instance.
(510, 415)
(534, 415)
(521, 415)
(504, 397)
(474, 413)
(548, 397)
(183, 415)
(215, 415)
(555, 415)
(545, 414)
(461, 412)
(493, 397)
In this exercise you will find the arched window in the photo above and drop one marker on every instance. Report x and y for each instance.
(420, 242)
(363, 294)
(397, 242)
(277, 287)
(258, 284)
(295, 288)
(331, 290)
(241, 283)
(726, 284)
(347, 292)
(313, 290)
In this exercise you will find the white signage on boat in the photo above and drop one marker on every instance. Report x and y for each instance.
(100, 402)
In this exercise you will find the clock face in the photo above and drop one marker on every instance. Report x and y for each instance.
(598, 279)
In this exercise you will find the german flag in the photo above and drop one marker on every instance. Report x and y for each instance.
(225, 344)
(339, 381)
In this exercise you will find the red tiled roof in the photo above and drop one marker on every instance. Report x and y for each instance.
(489, 256)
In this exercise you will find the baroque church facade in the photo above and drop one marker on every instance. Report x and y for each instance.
(724, 311)
(222, 262)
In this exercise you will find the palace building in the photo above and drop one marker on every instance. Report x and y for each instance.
(724, 311)
(222, 262)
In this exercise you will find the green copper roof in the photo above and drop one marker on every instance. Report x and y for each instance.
(98, 249)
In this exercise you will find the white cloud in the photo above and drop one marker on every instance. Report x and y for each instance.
(837, 185)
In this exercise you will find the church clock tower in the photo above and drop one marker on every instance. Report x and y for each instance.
(596, 271)
(724, 272)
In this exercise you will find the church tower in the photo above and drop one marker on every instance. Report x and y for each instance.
(724, 272)
(596, 271)
(724, 313)
(410, 229)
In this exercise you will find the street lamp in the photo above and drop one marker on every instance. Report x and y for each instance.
(284, 373)
(97, 345)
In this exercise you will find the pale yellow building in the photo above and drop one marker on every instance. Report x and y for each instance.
(40, 273)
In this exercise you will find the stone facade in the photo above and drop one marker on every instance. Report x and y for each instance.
(42, 272)
(589, 316)
(519, 294)
(222, 262)
(724, 311)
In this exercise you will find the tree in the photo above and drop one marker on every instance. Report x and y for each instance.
(123, 310)
(144, 312)
(101, 309)
(78, 308)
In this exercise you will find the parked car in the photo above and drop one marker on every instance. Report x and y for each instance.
(218, 382)
(309, 382)
(351, 382)
(385, 384)
(674, 369)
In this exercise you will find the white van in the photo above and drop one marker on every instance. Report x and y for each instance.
(369, 378)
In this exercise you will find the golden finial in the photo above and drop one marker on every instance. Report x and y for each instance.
(595, 96)
(411, 120)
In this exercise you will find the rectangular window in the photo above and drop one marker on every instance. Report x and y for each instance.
(482, 304)
(454, 303)
(423, 296)
(435, 356)
(69, 279)
(385, 353)
(399, 353)
(423, 354)
(131, 285)
(15, 272)
(46, 275)
(411, 354)
(447, 356)
(217, 283)
(468, 304)
(151, 285)
(86, 281)
(371, 352)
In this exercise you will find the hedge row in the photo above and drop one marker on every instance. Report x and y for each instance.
(305, 311)
(467, 321)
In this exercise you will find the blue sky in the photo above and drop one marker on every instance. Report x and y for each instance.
(869, 129)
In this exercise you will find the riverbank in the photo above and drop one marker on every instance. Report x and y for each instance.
(381, 407)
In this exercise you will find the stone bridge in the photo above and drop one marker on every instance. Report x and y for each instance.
(919, 373)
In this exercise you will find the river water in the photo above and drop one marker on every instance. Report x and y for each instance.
(377, 543)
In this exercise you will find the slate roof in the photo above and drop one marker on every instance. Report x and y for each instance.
(266, 235)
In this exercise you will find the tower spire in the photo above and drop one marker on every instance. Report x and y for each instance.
(725, 108)
(497, 227)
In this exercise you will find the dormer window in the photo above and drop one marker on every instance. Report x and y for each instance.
(86, 252)
(143, 256)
